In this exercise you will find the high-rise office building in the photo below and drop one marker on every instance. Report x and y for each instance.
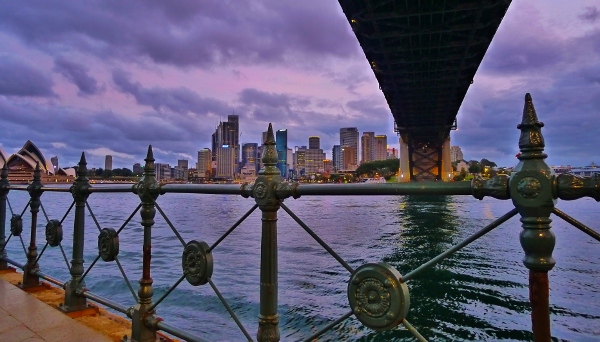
(300, 160)
(392, 153)
(314, 161)
(227, 135)
(204, 165)
(314, 142)
(250, 155)
(456, 154)
(336, 156)
(108, 162)
(137, 169)
(367, 144)
(349, 138)
(380, 147)
(226, 164)
(349, 162)
(281, 147)
(182, 164)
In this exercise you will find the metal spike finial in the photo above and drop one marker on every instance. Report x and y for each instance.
(269, 154)
(270, 136)
(531, 133)
(150, 154)
(82, 166)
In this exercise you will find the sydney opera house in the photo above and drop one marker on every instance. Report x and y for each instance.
(22, 164)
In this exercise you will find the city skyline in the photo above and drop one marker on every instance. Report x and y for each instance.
(113, 78)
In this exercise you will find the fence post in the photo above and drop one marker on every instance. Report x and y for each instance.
(148, 190)
(264, 192)
(80, 192)
(3, 198)
(531, 191)
(30, 279)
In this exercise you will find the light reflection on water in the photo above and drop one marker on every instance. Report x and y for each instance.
(479, 293)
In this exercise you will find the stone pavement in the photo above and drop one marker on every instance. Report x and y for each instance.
(23, 318)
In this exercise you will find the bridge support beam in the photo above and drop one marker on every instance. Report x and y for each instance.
(419, 162)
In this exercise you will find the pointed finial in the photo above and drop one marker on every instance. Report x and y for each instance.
(269, 154)
(81, 167)
(270, 140)
(37, 173)
(149, 166)
(150, 154)
(531, 134)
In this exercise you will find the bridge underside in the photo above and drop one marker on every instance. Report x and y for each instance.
(424, 54)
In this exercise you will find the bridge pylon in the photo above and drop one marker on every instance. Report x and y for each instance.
(425, 161)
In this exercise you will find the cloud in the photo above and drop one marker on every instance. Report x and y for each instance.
(178, 100)
(20, 78)
(590, 14)
(58, 145)
(203, 34)
(78, 75)
(104, 151)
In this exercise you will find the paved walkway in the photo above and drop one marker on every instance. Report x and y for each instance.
(25, 318)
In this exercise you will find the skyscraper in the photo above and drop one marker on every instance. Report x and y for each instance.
(54, 161)
(456, 154)
(203, 166)
(367, 143)
(281, 146)
(336, 155)
(349, 138)
(314, 142)
(250, 155)
(108, 162)
(380, 147)
(227, 136)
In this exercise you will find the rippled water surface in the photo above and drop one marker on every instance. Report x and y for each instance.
(479, 293)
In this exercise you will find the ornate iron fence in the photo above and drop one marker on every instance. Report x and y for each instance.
(378, 294)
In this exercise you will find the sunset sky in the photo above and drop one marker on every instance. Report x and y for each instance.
(112, 77)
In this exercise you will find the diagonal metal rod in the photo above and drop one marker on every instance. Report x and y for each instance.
(26, 206)
(89, 268)
(228, 308)
(589, 231)
(65, 257)
(413, 331)
(44, 211)
(42, 252)
(169, 223)
(126, 279)
(235, 225)
(151, 308)
(93, 216)
(129, 218)
(23, 244)
(67, 213)
(317, 238)
(328, 327)
(4, 246)
(462, 244)
(9, 206)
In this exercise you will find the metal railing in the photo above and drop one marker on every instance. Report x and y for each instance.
(378, 294)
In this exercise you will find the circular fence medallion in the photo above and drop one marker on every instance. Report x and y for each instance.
(108, 244)
(378, 297)
(197, 262)
(16, 225)
(54, 233)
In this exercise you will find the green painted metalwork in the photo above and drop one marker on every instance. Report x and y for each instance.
(531, 190)
(378, 295)
(148, 190)
(80, 193)
(265, 196)
(3, 200)
(30, 279)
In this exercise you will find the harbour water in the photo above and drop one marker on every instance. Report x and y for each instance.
(479, 293)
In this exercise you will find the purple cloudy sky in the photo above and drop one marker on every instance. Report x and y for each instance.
(112, 77)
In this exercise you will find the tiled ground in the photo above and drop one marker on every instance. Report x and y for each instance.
(24, 318)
